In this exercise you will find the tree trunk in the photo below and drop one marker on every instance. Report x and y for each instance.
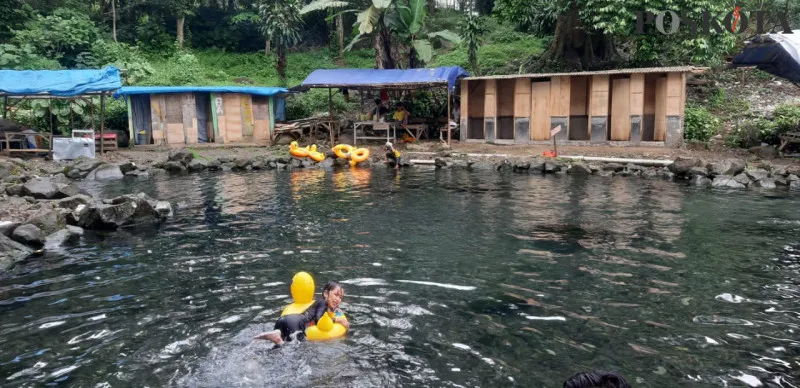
(340, 34)
(383, 48)
(267, 47)
(280, 65)
(573, 48)
(181, 19)
(114, 19)
(412, 58)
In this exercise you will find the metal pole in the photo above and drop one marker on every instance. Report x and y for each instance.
(102, 120)
(330, 114)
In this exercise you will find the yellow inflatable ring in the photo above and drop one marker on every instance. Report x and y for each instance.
(341, 150)
(316, 156)
(302, 294)
(334, 330)
(359, 155)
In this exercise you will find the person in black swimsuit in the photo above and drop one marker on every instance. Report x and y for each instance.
(294, 325)
(597, 379)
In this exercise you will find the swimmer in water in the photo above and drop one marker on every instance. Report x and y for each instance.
(295, 324)
(597, 379)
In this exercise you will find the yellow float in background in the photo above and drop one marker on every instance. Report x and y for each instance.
(342, 150)
(297, 151)
(358, 155)
(316, 156)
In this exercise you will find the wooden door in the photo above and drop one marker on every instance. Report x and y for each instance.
(620, 110)
(540, 110)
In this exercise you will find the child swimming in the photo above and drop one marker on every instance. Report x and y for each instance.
(295, 324)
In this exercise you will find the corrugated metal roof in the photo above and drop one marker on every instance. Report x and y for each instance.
(674, 69)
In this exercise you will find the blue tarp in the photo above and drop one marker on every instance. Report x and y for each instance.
(254, 90)
(64, 83)
(777, 54)
(366, 78)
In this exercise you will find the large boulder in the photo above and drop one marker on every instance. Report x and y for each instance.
(743, 179)
(11, 252)
(71, 203)
(197, 165)
(730, 167)
(41, 188)
(182, 156)
(727, 181)
(47, 219)
(106, 172)
(700, 181)
(127, 167)
(7, 227)
(62, 237)
(126, 210)
(766, 183)
(175, 167)
(68, 190)
(681, 166)
(81, 167)
(440, 162)
(757, 174)
(615, 167)
(694, 171)
(29, 235)
(579, 169)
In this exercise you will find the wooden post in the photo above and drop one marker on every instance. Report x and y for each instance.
(102, 120)
(330, 114)
(91, 105)
(5, 106)
(447, 119)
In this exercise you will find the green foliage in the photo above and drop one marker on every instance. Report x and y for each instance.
(23, 57)
(495, 57)
(13, 16)
(785, 118)
(281, 23)
(472, 28)
(62, 36)
(537, 16)
(700, 124)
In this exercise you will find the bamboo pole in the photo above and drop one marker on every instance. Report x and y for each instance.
(447, 119)
(102, 120)
(5, 106)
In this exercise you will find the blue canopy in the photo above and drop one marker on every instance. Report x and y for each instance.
(64, 83)
(777, 54)
(254, 90)
(388, 78)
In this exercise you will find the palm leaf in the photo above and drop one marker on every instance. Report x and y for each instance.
(417, 15)
(423, 49)
(446, 35)
(355, 40)
(322, 4)
(367, 19)
(381, 4)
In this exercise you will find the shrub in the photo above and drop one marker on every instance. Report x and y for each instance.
(700, 124)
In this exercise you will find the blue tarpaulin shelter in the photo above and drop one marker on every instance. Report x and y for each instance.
(777, 54)
(384, 78)
(252, 90)
(62, 83)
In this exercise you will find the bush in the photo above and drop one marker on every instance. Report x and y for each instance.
(700, 124)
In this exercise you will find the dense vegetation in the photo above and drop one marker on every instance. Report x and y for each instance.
(278, 42)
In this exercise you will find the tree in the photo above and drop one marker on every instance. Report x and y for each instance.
(408, 24)
(181, 9)
(281, 22)
(331, 5)
(472, 28)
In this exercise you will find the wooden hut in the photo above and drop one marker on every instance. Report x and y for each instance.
(192, 115)
(615, 107)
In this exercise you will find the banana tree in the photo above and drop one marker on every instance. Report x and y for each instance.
(281, 23)
(408, 25)
(331, 5)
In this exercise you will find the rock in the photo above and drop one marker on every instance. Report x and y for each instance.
(158, 171)
(73, 202)
(296, 163)
(650, 173)
(415, 147)
(697, 171)
(681, 166)
(62, 237)
(765, 152)
(67, 190)
(579, 169)
(757, 174)
(7, 227)
(505, 165)
(214, 165)
(74, 174)
(12, 179)
(259, 164)
(7, 169)
(138, 174)
(794, 185)
(793, 170)
(551, 168)
(537, 165)
(84, 164)
(11, 252)
(164, 208)
(792, 178)
(105, 172)
(175, 167)
(15, 190)
(635, 167)
(122, 211)
(60, 178)
(404, 162)
(281, 165)
(778, 172)
(696, 145)
(615, 167)
(766, 183)
(461, 164)
(482, 166)
(730, 167)
(781, 181)
(47, 219)
(327, 163)
(29, 235)
(700, 181)
(727, 181)
(606, 173)
(522, 165)
(308, 163)
(440, 162)
(197, 165)
(224, 159)
(241, 163)
(182, 156)
(742, 178)
(41, 188)
(595, 168)
(127, 167)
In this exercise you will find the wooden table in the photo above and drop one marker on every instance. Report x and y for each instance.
(388, 126)
(22, 138)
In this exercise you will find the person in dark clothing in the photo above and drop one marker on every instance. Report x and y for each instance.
(392, 155)
(294, 325)
(380, 110)
(596, 379)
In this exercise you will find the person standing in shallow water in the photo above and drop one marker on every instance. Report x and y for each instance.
(294, 325)
(392, 155)
(596, 379)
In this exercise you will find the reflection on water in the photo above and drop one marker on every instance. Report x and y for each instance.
(451, 278)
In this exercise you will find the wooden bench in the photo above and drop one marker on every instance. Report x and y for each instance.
(109, 141)
(786, 138)
(21, 138)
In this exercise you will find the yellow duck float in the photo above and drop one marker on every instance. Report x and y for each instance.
(356, 155)
(306, 152)
(303, 297)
